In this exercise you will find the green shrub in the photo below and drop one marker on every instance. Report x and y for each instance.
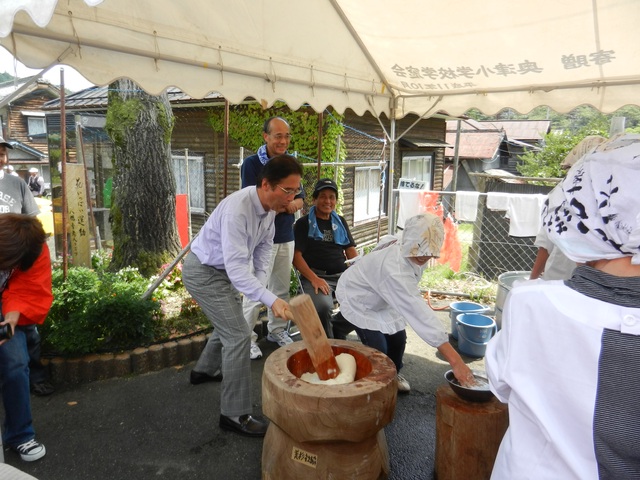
(294, 284)
(94, 310)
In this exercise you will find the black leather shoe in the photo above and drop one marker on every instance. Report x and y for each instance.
(42, 389)
(200, 377)
(247, 425)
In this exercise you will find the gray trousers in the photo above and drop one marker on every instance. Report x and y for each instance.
(228, 345)
(335, 326)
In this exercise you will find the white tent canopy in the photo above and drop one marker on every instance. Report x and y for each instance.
(395, 58)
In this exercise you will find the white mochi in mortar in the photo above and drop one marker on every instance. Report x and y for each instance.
(347, 365)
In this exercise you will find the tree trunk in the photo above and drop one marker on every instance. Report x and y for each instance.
(143, 200)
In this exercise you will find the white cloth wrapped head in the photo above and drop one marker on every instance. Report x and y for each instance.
(594, 213)
(423, 236)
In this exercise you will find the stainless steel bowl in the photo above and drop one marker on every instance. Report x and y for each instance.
(475, 394)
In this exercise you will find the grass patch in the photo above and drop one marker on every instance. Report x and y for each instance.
(441, 278)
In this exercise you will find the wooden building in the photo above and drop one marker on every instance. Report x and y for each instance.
(23, 124)
(419, 154)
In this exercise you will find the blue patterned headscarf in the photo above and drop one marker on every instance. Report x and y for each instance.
(594, 213)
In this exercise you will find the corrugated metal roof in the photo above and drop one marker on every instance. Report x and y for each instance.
(8, 90)
(523, 130)
(478, 145)
(503, 175)
(97, 98)
(469, 125)
(28, 149)
(423, 143)
(524, 145)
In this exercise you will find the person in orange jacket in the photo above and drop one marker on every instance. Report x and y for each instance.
(26, 297)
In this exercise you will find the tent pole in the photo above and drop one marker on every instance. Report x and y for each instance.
(456, 160)
(391, 211)
(320, 129)
(63, 174)
(383, 167)
(188, 182)
(226, 147)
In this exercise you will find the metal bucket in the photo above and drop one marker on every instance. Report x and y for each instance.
(456, 308)
(505, 283)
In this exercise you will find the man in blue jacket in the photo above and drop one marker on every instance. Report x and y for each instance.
(275, 132)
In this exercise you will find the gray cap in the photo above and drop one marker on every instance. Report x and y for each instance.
(324, 183)
(5, 143)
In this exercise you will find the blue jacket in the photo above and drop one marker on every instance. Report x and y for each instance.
(251, 168)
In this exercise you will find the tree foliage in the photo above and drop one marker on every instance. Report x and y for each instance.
(566, 132)
(557, 145)
(574, 121)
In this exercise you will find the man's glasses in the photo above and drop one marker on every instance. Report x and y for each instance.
(290, 191)
(280, 136)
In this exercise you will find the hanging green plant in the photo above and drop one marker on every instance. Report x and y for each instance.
(245, 128)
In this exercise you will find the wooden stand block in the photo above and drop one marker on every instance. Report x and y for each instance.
(467, 435)
(285, 458)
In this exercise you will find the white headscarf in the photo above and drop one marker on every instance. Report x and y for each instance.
(423, 236)
(595, 212)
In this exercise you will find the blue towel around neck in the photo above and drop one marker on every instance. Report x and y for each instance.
(262, 154)
(340, 236)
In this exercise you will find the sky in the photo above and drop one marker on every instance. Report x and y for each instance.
(73, 81)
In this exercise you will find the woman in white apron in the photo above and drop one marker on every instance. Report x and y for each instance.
(567, 360)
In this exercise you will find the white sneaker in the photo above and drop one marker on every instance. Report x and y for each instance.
(403, 384)
(31, 450)
(282, 338)
(255, 353)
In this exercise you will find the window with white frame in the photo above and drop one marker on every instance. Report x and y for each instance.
(366, 193)
(417, 167)
(36, 123)
(191, 179)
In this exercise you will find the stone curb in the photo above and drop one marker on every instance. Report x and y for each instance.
(73, 371)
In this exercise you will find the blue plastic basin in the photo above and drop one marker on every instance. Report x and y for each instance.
(471, 349)
(476, 327)
(456, 308)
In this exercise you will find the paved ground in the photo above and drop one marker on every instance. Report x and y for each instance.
(159, 426)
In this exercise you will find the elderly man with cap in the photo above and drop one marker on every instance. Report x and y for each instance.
(35, 182)
(323, 243)
(567, 358)
(15, 196)
(379, 295)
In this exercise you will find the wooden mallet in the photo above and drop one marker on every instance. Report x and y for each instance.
(307, 320)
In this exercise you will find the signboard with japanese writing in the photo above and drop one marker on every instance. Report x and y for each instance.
(79, 230)
(412, 184)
